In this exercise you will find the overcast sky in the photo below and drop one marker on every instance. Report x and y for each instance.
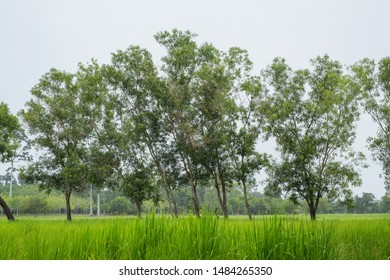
(38, 35)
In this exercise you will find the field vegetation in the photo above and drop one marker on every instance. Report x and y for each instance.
(284, 237)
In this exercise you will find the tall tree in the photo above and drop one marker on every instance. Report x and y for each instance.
(58, 118)
(374, 80)
(20, 154)
(365, 203)
(9, 124)
(246, 158)
(179, 65)
(215, 107)
(224, 90)
(102, 162)
(199, 108)
(312, 116)
(137, 87)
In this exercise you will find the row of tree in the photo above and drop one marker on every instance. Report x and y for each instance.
(199, 120)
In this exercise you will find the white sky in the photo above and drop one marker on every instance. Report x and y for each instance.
(38, 35)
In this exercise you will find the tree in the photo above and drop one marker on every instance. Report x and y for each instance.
(312, 117)
(247, 160)
(9, 124)
(179, 65)
(385, 203)
(58, 118)
(101, 159)
(20, 154)
(120, 205)
(374, 80)
(138, 186)
(215, 119)
(365, 203)
(137, 88)
(35, 205)
(199, 109)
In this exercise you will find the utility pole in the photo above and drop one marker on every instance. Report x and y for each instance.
(98, 204)
(90, 202)
(12, 173)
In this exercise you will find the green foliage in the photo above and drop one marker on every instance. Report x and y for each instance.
(9, 124)
(62, 117)
(374, 80)
(312, 116)
(120, 205)
(366, 203)
(138, 187)
(35, 205)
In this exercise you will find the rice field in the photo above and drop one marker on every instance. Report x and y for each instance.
(155, 237)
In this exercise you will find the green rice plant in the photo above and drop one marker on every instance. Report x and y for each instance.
(165, 238)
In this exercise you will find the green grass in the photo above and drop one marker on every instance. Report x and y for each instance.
(338, 237)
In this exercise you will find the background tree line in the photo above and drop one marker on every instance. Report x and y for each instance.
(28, 200)
(199, 121)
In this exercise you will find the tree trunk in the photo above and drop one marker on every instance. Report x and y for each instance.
(68, 208)
(195, 198)
(223, 188)
(224, 200)
(313, 211)
(188, 168)
(216, 185)
(248, 209)
(7, 211)
(166, 185)
(172, 201)
(168, 190)
(138, 206)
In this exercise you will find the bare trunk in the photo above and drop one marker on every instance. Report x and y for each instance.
(168, 190)
(175, 210)
(224, 200)
(172, 201)
(195, 198)
(248, 209)
(221, 194)
(313, 206)
(312, 213)
(138, 208)
(188, 168)
(223, 188)
(68, 208)
(216, 185)
(7, 210)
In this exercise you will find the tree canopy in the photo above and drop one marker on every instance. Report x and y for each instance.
(62, 117)
(198, 120)
(9, 125)
(374, 80)
(312, 116)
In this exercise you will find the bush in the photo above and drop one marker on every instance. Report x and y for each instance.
(120, 205)
(35, 205)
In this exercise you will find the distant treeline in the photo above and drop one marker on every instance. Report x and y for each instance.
(27, 200)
